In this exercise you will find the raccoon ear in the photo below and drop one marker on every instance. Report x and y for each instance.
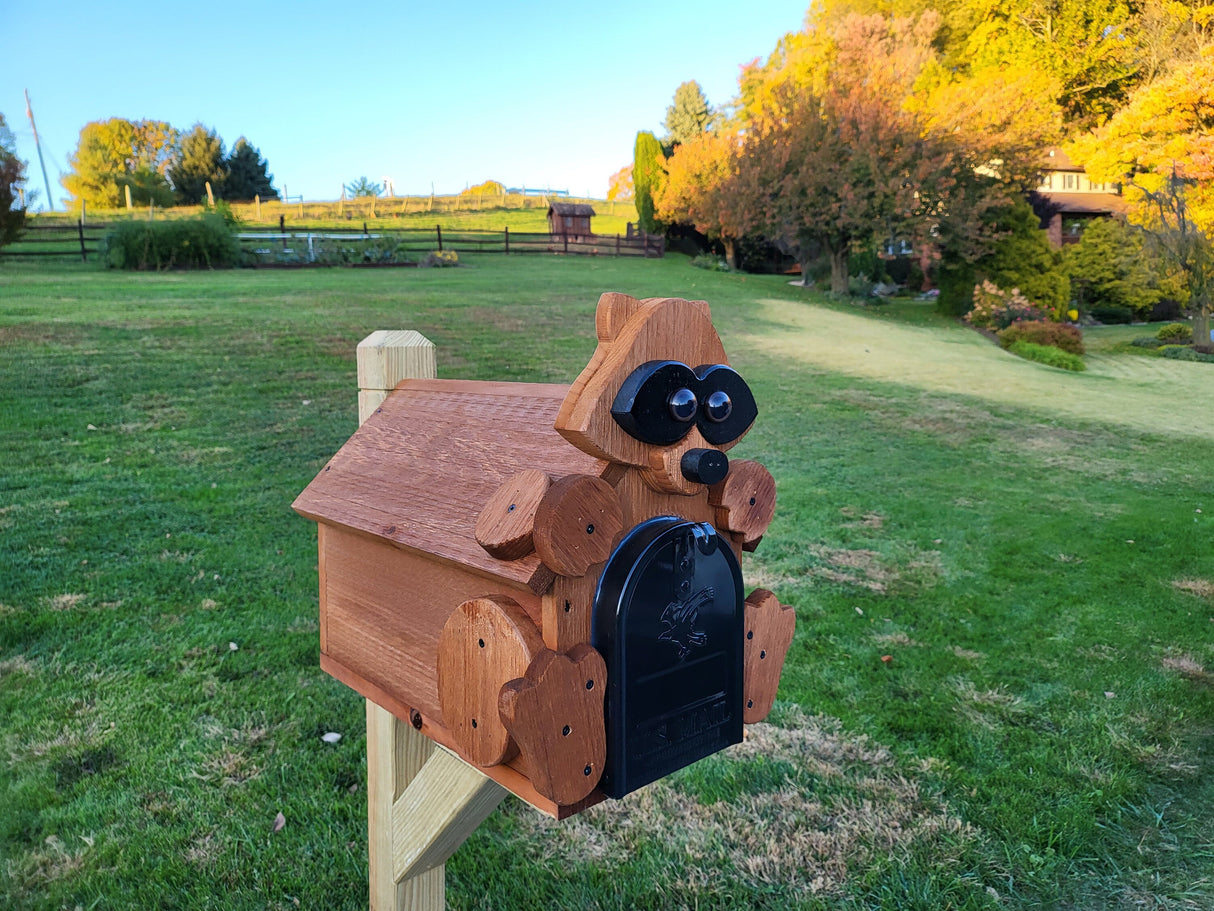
(613, 311)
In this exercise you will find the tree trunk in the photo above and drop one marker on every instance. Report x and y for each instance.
(838, 270)
(731, 252)
(1201, 330)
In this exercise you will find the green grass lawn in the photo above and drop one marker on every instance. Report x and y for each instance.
(1029, 548)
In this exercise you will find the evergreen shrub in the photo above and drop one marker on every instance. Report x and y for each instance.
(1050, 356)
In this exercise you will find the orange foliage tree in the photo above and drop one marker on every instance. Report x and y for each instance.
(836, 157)
(702, 188)
(619, 185)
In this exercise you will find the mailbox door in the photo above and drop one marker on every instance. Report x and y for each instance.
(668, 620)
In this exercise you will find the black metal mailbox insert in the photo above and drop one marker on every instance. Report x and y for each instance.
(669, 622)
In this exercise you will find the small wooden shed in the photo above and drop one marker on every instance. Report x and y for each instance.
(570, 218)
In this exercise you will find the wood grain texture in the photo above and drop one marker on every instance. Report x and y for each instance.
(387, 356)
(423, 466)
(641, 502)
(555, 714)
(769, 631)
(745, 501)
(568, 609)
(441, 807)
(485, 643)
(385, 609)
(509, 777)
(504, 526)
(659, 329)
(576, 523)
(395, 754)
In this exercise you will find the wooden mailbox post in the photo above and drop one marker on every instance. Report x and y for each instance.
(537, 587)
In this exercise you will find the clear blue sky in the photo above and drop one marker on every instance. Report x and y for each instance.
(540, 94)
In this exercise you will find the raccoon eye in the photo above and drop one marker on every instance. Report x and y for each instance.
(683, 405)
(658, 404)
(729, 406)
(718, 406)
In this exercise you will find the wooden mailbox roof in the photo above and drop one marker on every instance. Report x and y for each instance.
(418, 472)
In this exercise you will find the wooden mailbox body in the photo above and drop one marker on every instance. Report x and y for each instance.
(463, 533)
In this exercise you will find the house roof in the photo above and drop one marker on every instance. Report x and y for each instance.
(1058, 160)
(570, 208)
(1084, 203)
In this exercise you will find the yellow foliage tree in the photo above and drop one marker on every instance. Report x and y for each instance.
(488, 188)
(700, 188)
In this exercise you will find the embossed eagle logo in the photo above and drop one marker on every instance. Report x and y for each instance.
(680, 619)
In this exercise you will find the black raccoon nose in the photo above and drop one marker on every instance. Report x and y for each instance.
(704, 466)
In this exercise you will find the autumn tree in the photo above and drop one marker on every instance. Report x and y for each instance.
(247, 174)
(619, 185)
(648, 175)
(702, 188)
(199, 162)
(689, 115)
(12, 176)
(488, 188)
(1160, 146)
(115, 154)
(838, 157)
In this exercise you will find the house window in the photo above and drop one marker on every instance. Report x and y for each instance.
(1047, 181)
(1068, 181)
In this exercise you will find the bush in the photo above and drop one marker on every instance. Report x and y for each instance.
(1185, 353)
(1112, 315)
(710, 262)
(1045, 354)
(440, 258)
(184, 243)
(997, 309)
(1022, 257)
(1175, 332)
(1109, 267)
(1146, 342)
(1039, 332)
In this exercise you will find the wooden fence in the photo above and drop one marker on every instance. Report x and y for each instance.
(301, 244)
(61, 240)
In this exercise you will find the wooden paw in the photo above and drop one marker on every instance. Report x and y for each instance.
(484, 643)
(769, 630)
(504, 526)
(555, 715)
(576, 524)
(745, 501)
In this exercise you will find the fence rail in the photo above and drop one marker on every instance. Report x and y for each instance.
(269, 245)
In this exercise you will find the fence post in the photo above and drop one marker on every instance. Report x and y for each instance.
(84, 207)
(80, 227)
(566, 236)
(507, 240)
(617, 243)
(422, 802)
(257, 202)
(438, 229)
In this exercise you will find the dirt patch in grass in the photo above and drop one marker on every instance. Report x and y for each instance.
(1187, 666)
(898, 638)
(796, 837)
(1203, 588)
(53, 861)
(866, 520)
(65, 601)
(18, 664)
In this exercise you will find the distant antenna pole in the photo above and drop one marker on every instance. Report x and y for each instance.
(50, 200)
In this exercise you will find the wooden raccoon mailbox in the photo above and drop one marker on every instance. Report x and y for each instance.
(546, 579)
